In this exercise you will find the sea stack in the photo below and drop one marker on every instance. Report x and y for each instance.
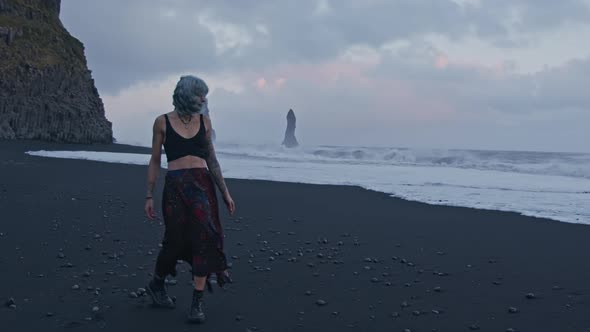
(290, 141)
(46, 90)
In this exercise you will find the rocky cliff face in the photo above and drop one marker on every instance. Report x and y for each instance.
(290, 141)
(46, 89)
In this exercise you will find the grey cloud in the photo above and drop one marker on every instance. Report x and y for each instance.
(130, 41)
(127, 41)
(475, 88)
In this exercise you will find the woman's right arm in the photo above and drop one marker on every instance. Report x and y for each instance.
(154, 165)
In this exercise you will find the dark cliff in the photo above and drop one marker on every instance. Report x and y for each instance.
(46, 89)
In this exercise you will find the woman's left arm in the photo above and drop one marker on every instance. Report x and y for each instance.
(215, 168)
(212, 162)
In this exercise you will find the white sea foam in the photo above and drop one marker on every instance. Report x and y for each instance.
(550, 185)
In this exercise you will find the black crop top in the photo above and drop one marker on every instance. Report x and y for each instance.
(177, 146)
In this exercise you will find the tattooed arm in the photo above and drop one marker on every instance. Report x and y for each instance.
(215, 168)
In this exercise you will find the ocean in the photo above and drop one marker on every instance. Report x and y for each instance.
(542, 184)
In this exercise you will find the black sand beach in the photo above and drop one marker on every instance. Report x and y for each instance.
(75, 244)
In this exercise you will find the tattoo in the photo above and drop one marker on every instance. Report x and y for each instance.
(150, 188)
(214, 166)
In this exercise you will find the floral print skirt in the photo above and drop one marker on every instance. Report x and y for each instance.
(193, 229)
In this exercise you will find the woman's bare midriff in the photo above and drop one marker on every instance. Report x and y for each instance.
(187, 162)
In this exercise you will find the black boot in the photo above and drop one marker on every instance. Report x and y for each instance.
(157, 290)
(196, 315)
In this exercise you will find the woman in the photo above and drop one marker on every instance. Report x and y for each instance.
(189, 203)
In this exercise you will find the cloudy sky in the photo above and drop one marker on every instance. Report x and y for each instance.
(488, 74)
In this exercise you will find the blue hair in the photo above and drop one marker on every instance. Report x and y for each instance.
(187, 94)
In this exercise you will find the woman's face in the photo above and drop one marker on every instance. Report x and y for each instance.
(200, 100)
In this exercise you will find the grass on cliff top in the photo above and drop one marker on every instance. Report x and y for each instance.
(43, 44)
(35, 6)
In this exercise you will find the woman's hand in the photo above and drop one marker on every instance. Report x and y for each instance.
(149, 208)
(229, 202)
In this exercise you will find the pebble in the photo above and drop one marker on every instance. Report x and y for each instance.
(321, 302)
(530, 296)
(10, 302)
(512, 310)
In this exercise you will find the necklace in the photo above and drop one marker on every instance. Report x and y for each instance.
(186, 123)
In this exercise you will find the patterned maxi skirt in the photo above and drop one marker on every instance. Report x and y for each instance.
(193, 229)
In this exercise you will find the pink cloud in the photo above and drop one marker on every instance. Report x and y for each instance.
(441, 62)
(279, 82)
(261, 83)
(388, 100)
(495, 69)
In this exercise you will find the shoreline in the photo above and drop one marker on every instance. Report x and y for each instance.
(124, 148)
